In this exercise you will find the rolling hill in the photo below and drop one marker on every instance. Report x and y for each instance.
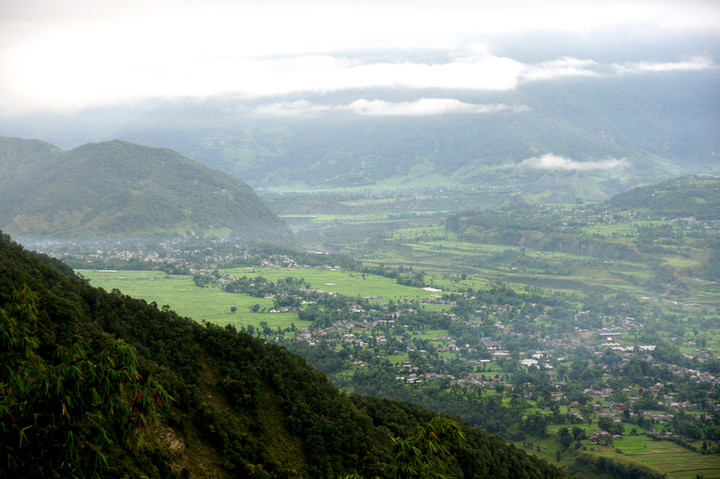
(688, 196)
(117, 188)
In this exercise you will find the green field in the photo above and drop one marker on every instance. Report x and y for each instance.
(182, 295)
(343, 282)
(668, 457)
(213, 305)
(664, 457)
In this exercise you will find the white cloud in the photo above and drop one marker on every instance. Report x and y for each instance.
(562, 67)
(425, 106)
(43, 75)
(295, 108)
(421, 107)
(79, 53)
(568, 67)
(550, 161)
(695, 63)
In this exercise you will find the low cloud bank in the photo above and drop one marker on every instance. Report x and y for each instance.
(696, 63)
(364, 107)
(107, 74)
(550, 161)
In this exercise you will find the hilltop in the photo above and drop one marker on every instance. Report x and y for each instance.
(688, 196)
(206, 401)
(117, 188)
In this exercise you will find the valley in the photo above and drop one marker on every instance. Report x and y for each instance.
(527, 320)
(388, 240)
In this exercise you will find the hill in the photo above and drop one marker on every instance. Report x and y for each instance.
(666, 229)
(100, 383)
(688, 196)
(117, 188)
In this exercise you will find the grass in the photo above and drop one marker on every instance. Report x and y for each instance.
(339, 281)
(663, 456)
(666, 456)
(209, 304)
(213, 305)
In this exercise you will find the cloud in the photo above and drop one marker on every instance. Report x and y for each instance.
(82, 53)
(562, 67)
(363, 107)
(696, 63)
(550, 161)
(576, 67)
(295, 108)
(423, 106)
(106, 74)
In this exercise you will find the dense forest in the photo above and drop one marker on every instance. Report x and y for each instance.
(99, 384)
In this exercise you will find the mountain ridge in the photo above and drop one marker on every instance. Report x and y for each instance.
(654, 126)
(658, 127)
(120, 188)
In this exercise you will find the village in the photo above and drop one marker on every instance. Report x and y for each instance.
(591, 374)
(587, 367)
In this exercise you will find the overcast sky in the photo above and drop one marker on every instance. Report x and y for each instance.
(72, 54)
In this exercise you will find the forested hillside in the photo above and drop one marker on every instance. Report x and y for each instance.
(688, 196)
(119, 188)
(100, 383)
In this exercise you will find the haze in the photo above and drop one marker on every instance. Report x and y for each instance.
(73, 55)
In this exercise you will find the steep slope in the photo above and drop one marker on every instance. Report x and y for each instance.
(119, 188)
(240, 408)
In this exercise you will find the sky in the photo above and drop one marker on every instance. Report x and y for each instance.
(67, 55)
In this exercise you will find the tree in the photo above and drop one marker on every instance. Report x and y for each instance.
(565, 437)
(611, 426)
(64, 407)
(424, 453)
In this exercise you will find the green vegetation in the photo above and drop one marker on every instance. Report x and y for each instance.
(689, 196)
(121, 189)
(586, 333)
(210, 304)
(55, 413)
(240, 407)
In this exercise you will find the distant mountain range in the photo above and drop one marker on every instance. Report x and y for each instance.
(592, 138)
(117, 188)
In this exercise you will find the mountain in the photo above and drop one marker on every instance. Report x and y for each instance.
(118, 188)
(592, 137)
(97, 383)
(614, 134)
